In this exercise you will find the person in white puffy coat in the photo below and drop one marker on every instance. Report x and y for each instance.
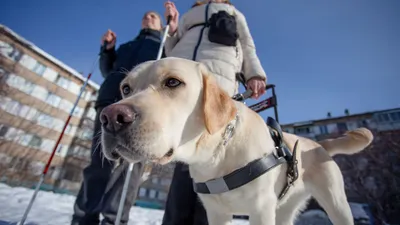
(188, 38)
(223, 61)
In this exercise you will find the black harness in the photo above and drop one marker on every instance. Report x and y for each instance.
(257, 167)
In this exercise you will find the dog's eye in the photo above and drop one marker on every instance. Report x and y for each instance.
(172, 82)
(126, 90)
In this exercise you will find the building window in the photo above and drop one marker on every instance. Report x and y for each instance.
(152, 193)
(302, 130)
(395, 116)
(4, 101)
(10, 51)
(62, 150)
(323, 129)
(342, 127)
(70, 129)
(165, 181)
(28, 61)
(58, 124)
(47, 145)
(142, 192)
(39, 68)
(40, 93)
(66, 105)
(86, 134)
(86, 95)
(27, 87)
(53, 99)
(13, 107)
(33, 115)
(36, 168)
(154, 180)
(78, 111)
(13, 134)
(62, 82)
(15, 81)
(25, 139)
(3, 130)
(35, 142)
(74, 88)
(45, 120)
(362, 123)
(383, 117)
(162, 196)
(20, 83)
(50, 74)
(91, 114)
(24, 111)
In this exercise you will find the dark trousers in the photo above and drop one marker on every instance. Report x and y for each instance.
(183, 207)
(102, 186)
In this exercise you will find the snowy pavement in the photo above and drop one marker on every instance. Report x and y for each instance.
(51, 209)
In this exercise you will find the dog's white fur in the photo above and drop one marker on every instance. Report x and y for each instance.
(191, 118)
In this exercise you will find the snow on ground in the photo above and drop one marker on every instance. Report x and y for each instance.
(50, 209)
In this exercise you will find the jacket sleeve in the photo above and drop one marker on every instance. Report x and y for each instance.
(107, 58)
(171, 41)
(251, 64)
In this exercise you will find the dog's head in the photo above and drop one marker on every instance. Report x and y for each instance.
(166, 104)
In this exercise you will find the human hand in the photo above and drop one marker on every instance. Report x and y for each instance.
(170, 10)
(257, 85)
(111, 38)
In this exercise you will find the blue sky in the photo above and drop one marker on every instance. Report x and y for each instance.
(322, 55)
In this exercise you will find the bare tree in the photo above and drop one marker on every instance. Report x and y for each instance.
(373, 176)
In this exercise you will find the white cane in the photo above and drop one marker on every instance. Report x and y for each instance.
(130, 168)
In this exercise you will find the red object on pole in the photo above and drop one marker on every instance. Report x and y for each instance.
(63, 130)
(46, 169)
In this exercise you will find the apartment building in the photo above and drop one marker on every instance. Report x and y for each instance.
(383, 120)
(37, 93)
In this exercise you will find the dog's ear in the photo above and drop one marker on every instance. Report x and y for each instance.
(219, 109)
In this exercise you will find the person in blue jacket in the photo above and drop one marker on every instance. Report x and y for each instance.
(102, 183)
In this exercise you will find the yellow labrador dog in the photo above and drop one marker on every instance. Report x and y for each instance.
(173, 110)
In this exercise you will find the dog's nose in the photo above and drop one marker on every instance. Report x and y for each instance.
(116, 117)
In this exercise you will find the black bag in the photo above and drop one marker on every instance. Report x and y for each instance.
(223, 29)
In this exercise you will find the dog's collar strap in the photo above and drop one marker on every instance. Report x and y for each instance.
(240, 176)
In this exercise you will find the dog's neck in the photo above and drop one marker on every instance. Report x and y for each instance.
(213, 157)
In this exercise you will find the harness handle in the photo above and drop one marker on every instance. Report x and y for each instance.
(248, 93)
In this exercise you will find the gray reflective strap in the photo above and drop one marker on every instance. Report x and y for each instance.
(240, 176)
(217, 185)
